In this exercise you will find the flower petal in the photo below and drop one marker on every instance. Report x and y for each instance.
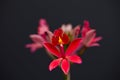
(55, 40)
(42, 22)
(86, 28)
(76, 31)
(86, 24)
(65, 66)
(63, 27)
(65, 39)
(43, 27)
(54, 63)
(37, 38)
(58, 32)
(42, 30)
(89, 37)
(66, 28)
(94, 44)
(52, 49)
(75, 59)
(97, 39)
(74, 45)
(33, 46)
(50, 35)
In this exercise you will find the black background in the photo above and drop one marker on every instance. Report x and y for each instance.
(19, 19)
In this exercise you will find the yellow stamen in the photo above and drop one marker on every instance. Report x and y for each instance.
(60, 41)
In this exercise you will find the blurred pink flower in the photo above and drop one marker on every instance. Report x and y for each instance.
(42, 27)
(89, 35)
(37, 42)
(43, 35)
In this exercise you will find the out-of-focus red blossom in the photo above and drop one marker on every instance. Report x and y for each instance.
(59, 37)
(43, 35)
(64, 58)
(89, 38)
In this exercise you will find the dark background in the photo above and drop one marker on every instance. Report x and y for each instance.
(19, 19)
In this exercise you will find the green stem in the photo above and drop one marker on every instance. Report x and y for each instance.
(67, 77)
(82, 50)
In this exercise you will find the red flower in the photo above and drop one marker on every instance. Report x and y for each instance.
(89, 35)
(59, 37)
(64, 58)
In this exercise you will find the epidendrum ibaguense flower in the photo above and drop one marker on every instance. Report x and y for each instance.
(63, 57)
(64, 43)
(43, 35)
(89, 35)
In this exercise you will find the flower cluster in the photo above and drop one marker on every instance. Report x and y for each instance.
(64, 44)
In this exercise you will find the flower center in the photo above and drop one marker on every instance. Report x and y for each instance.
(60, 41)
